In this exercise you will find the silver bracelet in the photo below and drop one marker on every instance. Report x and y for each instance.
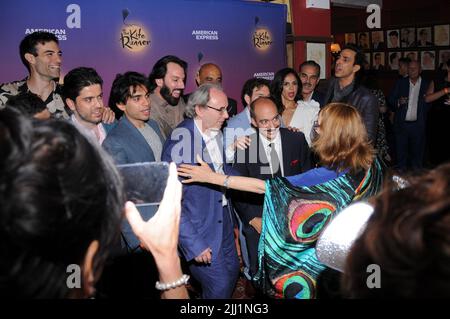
(225, 182)
(177, 283)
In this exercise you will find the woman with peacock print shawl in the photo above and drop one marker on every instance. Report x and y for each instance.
(298, 208)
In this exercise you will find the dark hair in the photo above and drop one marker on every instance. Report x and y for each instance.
(276, 87)
(408, 236)
(123, 87)
(359, 59)
(393, 32)
(77, 79)
(160, 69)
(259, 100)
(392, 57)
(310, 63)
(28, 103)
(250, 85)
(448, 62)
(58, 193)
(423, 31)
(404, 60)
(431, 54)
(29, 43)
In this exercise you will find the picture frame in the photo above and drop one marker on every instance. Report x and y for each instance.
(378, 61)
(413, 55)
(407, 37)
(363, 40)
(317, 52)
(442, 35)
(377, 40)
(392, 60)
(428, 60)
(424, 37)
(367, 61)
(393, 38)
(350, 38)
(444, 56)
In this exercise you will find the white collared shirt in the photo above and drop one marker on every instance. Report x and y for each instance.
(210, 138)
(90, 133)
(413, 99)
(278, 149)
(304, 117)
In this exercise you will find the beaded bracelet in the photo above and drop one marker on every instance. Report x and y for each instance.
(177, 283)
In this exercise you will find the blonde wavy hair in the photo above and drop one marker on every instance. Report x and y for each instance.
(342, 142)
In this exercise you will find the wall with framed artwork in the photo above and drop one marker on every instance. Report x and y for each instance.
(428, 44)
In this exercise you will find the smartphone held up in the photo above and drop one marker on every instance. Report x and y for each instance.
(144, 183)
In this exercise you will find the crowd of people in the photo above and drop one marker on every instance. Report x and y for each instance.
(271, 177)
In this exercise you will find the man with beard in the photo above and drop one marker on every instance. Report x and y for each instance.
(346, 87)
(167, 81)
(83, 94)
(273, 151)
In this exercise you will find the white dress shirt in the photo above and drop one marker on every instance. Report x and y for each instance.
(97, 134)
(278, 149)
(413, 99)
(210, 137)
(304, 116)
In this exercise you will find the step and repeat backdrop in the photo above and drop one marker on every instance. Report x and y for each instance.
(246, 39)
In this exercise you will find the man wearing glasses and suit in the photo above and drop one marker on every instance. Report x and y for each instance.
(206, 237)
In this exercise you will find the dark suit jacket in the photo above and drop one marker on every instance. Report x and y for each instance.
(296, 160)
(232, 104)
(127, 145)
(401, 88)
(364, 101)
(201, 207)
(318, 97)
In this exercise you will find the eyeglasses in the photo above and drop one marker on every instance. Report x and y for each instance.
(220, 110)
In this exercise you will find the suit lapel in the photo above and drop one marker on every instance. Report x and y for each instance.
(286, 156)
(137, 136)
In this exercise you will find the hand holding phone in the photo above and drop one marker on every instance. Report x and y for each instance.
(144, 183)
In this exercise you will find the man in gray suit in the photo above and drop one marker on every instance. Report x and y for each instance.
(239, 125)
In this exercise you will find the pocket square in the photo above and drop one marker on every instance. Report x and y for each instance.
(294, 162)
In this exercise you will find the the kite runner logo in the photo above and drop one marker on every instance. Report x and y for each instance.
(133, 37)
(262, 38)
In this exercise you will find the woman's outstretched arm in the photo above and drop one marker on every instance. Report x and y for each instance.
(203, 174)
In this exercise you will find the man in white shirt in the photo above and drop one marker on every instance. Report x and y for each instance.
(410, 113)
(309, 107)
(83, 94)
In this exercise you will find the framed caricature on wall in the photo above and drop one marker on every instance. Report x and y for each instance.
(317, 52)
(441, 35)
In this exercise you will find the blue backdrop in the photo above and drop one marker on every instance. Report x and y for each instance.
(245, 39)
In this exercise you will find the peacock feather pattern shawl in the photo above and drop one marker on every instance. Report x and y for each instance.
(293, 219)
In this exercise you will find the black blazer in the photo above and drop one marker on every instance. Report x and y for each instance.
(296, 160)
(364, 101)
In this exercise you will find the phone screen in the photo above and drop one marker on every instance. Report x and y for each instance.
(145, 182)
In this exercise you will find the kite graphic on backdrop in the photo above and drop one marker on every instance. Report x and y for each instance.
(262, 39)
(133, 37)
(199, 57)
